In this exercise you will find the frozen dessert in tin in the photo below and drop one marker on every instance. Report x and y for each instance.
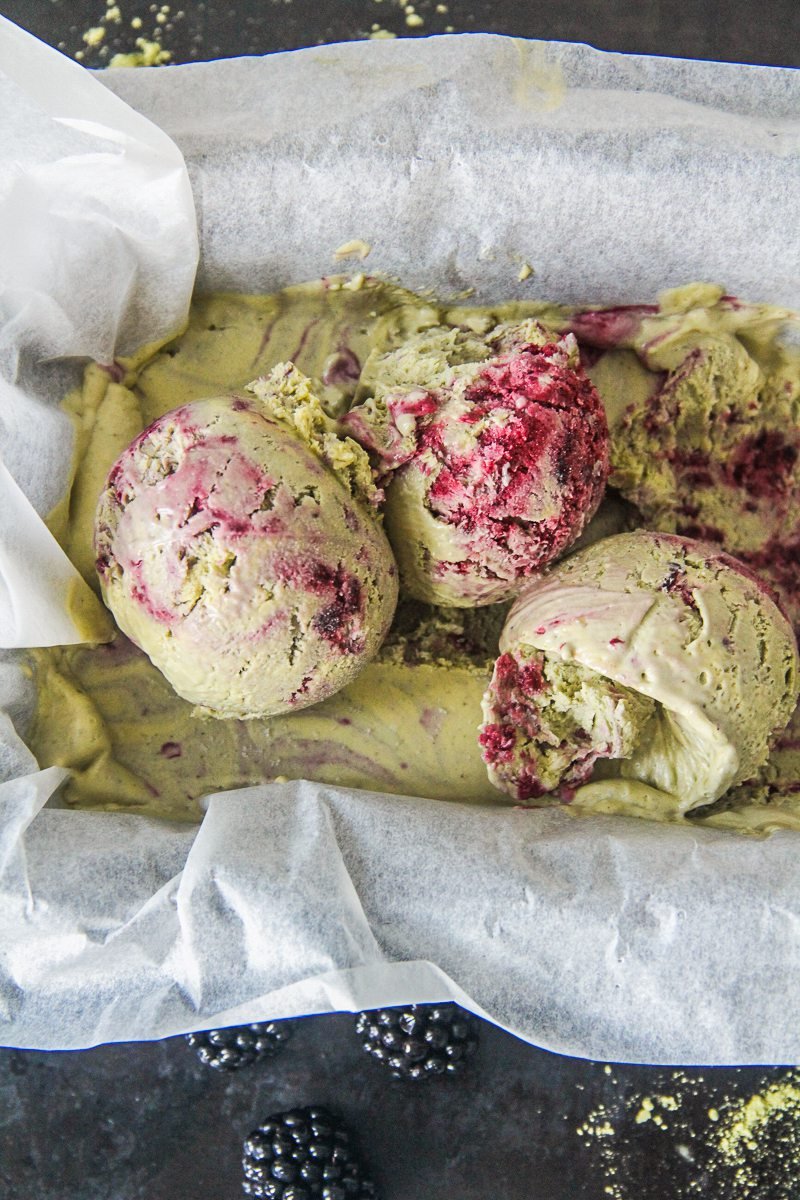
(493, 451)
(656, 664)
(236, 546)
(408, 722)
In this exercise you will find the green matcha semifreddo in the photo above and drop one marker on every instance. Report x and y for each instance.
(408, 722)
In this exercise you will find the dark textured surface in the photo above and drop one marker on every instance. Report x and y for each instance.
(149, 1122)
(733, 30)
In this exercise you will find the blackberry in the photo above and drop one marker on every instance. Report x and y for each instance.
(303, 1154)
(229, 1049)
(420, 1040)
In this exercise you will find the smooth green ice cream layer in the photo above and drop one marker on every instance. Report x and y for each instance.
(407, 724)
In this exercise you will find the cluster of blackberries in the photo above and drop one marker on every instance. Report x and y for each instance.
(420, 1040)
(303, 1154)
(241, 1045)
(306, 1153)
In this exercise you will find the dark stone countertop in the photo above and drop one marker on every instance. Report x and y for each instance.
(150, 1122)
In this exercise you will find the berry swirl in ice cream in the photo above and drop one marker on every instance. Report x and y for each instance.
(494, 454)
(240, 555)
(656, 666)
(678, 381)
(705, 434)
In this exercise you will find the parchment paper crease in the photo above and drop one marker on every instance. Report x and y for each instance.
(456, 159)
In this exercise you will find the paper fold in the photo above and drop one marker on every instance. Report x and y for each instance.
(98, 254)
(31, 615)
(98, 243)
(276, 908)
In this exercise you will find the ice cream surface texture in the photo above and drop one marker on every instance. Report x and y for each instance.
(658, 656)
(235, 545)
(704, 408)
(494, 450)
(408, 722)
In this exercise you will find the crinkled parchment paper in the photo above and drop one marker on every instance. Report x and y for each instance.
(455, 159)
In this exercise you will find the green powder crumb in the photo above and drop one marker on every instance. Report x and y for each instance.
(706, 1142)
(596, 1127)
(147, 54)
(649, 1112)
(759, 1139)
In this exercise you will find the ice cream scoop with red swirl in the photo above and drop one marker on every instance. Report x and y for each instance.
(493, 452)
(703, 397)
(236, 545)
(647, 674)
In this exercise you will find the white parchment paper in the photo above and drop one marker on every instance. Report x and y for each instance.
(456, 159)
(98, 253)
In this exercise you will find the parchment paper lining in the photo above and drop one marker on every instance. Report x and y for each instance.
(456, 159)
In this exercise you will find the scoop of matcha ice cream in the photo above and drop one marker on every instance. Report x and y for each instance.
(494, 454)
(236, 546)
(656, 666)
(703, 396)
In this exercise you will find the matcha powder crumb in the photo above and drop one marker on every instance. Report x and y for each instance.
(758, 1143)
(692, 1138)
